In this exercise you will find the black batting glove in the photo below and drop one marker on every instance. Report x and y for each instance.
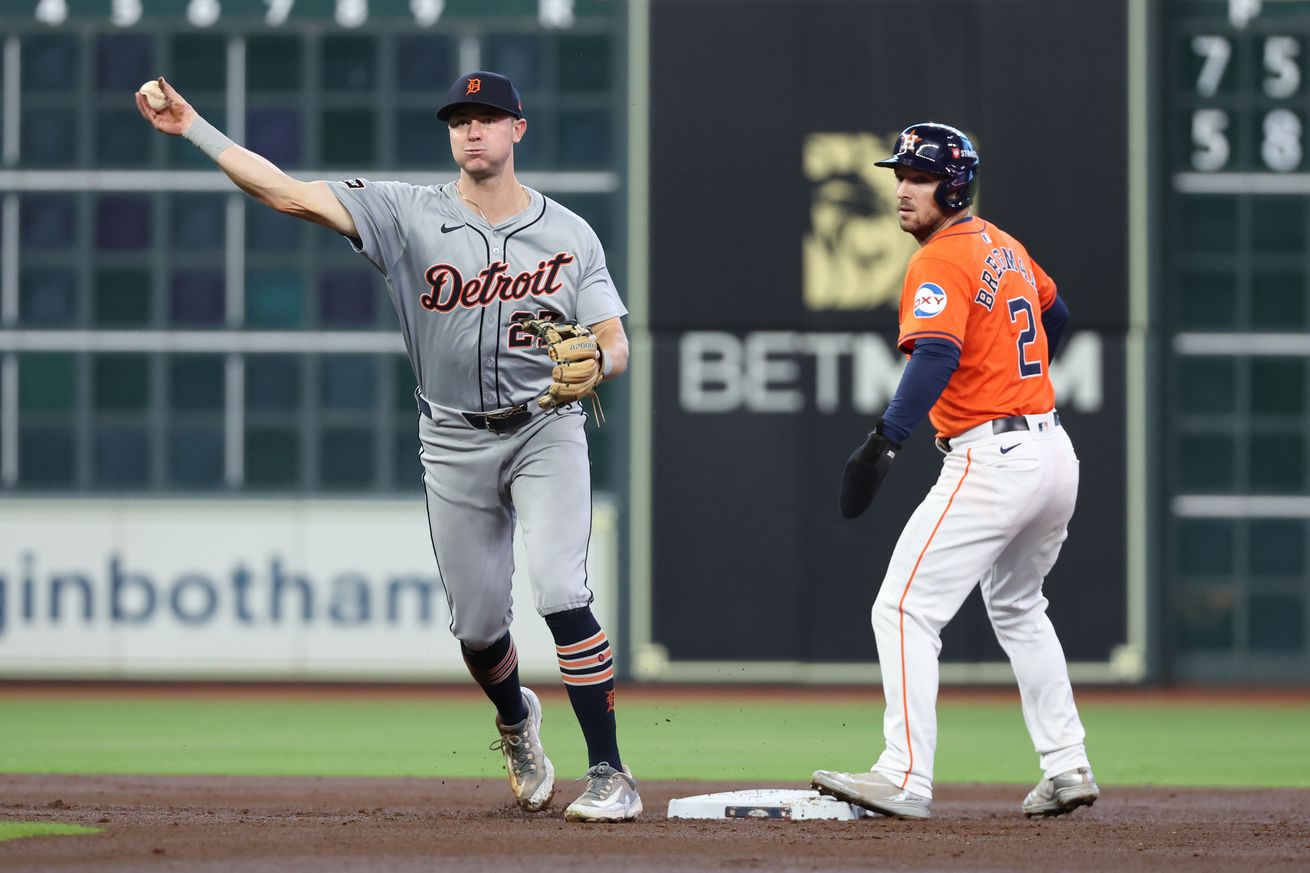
(867, 467)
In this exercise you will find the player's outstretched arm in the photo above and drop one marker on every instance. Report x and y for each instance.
(613, 341)
(252, 173)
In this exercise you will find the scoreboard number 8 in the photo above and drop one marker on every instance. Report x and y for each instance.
(1280, 144)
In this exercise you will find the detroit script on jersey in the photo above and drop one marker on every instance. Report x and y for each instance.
(462, 288)
(977, 287)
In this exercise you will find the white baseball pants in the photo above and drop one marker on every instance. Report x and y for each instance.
(479, 485)
(996, 517)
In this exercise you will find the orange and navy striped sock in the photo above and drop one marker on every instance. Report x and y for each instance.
(496, 669)
(587, 666)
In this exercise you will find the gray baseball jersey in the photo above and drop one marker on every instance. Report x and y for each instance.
(461, 286)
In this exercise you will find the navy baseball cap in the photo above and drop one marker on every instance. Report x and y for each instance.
(483, 89)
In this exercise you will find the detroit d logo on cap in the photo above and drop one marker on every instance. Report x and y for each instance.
(475, 85)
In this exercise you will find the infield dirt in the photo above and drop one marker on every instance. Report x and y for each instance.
(326, 825)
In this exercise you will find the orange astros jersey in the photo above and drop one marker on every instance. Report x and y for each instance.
(976, 286)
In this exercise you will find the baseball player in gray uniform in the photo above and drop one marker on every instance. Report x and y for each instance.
(472, 266)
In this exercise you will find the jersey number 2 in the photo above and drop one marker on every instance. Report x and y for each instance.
(1027, 368)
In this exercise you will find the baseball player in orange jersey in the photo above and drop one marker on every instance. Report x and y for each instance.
(979, 319)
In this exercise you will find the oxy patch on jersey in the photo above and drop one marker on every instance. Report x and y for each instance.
(929, 300)
(449, 289)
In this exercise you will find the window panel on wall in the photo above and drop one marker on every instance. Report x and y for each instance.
(272, 456)
(47, 297)
(1277, 386)
(120, 382)
(404, 383)
(426, 63)
(1209, 385)
(1279, 225)
(273, 63)
(50, 62)
(347, 381)
(274, 298)
(583, 62)
(121, 456)
(124, 61)
(1208, 463)
(123, 222)
(1278, 547)
(1209, 225)
(1277, 463)
(1208, 299)
(270, 231)
(199, 63)
(45, 456)
(273, 383)
(195, 456)
(123, 138)
(47, 382)
(49, 137)
(407, 468)
(517, 56)
(1277, 623)
(1206, 618)
(1206, 547)
(346, 457)
(48, 220)
(198, 222)
(1278, 300)
(422, 140)
(347, 298)
(197, 298)
(122, 298)
(274, 133)
(346, 137)
(196, 383)
(348, 66)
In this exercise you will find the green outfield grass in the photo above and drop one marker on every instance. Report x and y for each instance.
(1244, 744)
(12, 830)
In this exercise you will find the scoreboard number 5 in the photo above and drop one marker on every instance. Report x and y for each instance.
(1281, 128)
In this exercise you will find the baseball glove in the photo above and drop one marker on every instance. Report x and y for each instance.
(576, 353)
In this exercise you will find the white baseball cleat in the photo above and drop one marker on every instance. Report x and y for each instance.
(611, 795)
(531, 775)
(1062, 793)
(873, 791)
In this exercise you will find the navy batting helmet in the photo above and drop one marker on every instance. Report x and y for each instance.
(943, 151)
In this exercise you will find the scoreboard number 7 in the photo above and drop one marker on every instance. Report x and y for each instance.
(1280, 149)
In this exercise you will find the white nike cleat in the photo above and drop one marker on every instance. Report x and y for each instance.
(531, 775)
(873, 791)
(1062, 793)
(611, 795)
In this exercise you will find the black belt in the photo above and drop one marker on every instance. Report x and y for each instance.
(1014, 422)
(501, 421)
(1000, 426)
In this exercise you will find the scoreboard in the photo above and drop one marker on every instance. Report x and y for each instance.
(1232, 317)
(1236, 74)
(347, 14)
(160, 331)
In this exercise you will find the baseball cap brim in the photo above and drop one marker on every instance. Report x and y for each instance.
(444, 113)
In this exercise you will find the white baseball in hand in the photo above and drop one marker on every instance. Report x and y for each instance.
(154, 95)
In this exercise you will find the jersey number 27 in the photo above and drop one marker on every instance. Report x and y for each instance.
(1027, 368)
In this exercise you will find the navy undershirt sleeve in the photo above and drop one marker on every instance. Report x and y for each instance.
(929, 369)
(1054, 319)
